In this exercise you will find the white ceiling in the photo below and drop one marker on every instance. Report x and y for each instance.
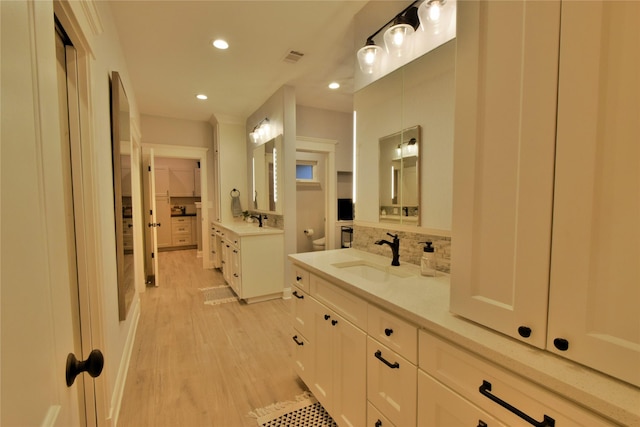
(170, 59)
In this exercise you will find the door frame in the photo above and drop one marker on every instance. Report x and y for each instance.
(194, 153)
(326, 147)
(87, 218)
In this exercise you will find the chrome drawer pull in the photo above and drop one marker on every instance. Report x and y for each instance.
(394, 365)
(485, 389)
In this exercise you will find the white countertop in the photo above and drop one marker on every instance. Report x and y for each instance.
(425, 301)
(248, 229)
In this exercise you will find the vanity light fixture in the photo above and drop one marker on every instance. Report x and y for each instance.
(261, 131)
(397, 37)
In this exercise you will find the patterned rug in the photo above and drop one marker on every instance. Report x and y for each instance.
(218, 295)
(304, 411)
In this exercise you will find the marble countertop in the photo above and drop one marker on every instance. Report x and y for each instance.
(248, 229)
(424, 301)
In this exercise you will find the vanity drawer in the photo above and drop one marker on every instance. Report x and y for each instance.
(302, 311)
(347, 305)
(300, 278)
(391, 384)
(375, 417)
(438, 405)
(397, 334)
(467, 375)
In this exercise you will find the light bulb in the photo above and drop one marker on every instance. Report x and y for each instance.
(368, 58)
(430, 11)
(434, 11)
(396, 39)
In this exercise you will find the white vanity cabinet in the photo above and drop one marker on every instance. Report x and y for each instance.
(456, 386)
(545, 222)
(252, 261)
(181, 231)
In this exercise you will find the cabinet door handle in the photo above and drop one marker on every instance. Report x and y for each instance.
(394, 365)
(326, 317)
(298, 278)
(388, 331)
(295, 338)
(482, 423)
(334, 322)
(378, 424)
(485, 390)
(295, 294)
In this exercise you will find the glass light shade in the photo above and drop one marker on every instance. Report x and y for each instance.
(254, 136)
(397, 39)
(369, 58)
(430, 11)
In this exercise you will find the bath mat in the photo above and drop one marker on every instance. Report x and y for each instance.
(218, 295)
(305, 411)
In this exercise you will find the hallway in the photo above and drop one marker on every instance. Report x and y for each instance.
(202, 365)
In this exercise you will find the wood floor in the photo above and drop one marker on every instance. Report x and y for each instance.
(201, 365)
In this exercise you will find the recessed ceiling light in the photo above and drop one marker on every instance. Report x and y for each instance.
(220, 44)
(201, 96)
(334, 85)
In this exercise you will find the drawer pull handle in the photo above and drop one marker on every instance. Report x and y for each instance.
(295, 338)
(394, 365)
(388, 331)
(326, 317)
(378, 424)
(295, 294)
(485, 390)
(334, 322)
(298, 278)
(482, 423)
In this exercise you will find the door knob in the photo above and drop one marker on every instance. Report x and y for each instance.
(93, 366)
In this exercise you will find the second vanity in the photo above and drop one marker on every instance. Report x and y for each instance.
(251, 259)
(378, 346)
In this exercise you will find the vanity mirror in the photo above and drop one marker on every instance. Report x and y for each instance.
(266, 168)
(399, 175)
(121, 151)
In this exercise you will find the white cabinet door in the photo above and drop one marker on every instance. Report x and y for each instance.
(162, 181)
(349, 373)
(181, 183)
(595, 264)
(163, 217)
(506, 91)
(339, 370)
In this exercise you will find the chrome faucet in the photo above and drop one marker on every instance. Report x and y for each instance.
(260, 217)
(395, 247)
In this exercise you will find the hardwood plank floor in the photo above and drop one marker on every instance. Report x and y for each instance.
(201, 365)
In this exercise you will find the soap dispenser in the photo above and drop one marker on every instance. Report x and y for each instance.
(428, 262)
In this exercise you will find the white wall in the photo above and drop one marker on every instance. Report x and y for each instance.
(420, 93)
(327, 124)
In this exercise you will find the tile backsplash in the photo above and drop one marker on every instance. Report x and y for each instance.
(364, 238)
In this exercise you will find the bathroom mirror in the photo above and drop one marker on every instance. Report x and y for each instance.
(121, 151)
(399, 175)
(266, 170)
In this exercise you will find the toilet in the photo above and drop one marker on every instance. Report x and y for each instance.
(318, 244)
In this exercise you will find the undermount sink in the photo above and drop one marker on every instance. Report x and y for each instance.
(371, 271)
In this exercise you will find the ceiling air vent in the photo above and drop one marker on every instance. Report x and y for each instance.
(293, 56)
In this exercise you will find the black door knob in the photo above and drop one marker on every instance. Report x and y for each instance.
(561, 344)
(524, 331)
(93, 366)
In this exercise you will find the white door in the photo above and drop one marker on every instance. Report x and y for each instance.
(153, 218)
(39, 305)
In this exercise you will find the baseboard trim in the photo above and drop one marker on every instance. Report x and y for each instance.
(121, 378)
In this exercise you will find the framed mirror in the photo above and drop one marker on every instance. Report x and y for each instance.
(399, 174)
(266, 170)
(123, 212)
